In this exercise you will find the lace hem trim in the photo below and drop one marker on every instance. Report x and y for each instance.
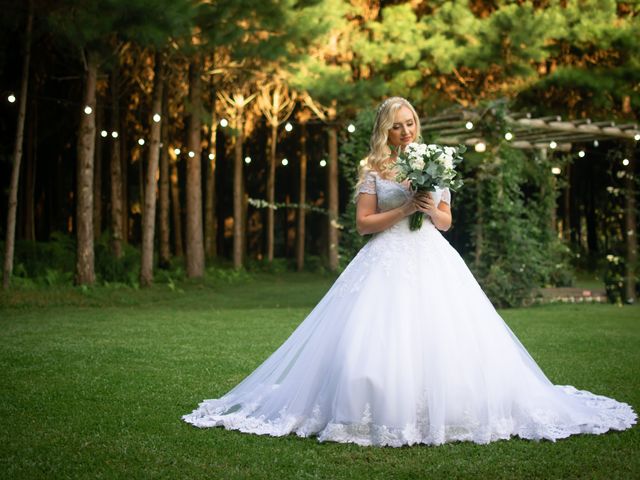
(611, 415)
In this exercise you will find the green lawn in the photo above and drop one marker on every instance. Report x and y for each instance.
(94, 383)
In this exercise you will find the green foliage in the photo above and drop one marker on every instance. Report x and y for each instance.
(517, 250)
(94, 25)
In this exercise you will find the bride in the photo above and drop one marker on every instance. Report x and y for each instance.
(405, 348)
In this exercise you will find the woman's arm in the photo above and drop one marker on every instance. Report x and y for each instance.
(440, 215)
(368, 221)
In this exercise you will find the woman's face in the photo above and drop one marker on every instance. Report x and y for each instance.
(403, 131)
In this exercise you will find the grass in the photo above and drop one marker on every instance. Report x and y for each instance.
(94, 383)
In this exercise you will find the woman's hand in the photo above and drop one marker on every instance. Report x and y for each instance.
(423, 202)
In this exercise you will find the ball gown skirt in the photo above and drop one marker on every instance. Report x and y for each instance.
(405, 348)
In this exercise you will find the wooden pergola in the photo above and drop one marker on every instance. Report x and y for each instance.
(548, 134)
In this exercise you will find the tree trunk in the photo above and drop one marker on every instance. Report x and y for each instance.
(97, 177)
(116, 169)
(238, 190)
(149, 212)
(176, 208)
(333, 197)
(165, 248)
(631, 226)
(211, 222)
(271, 191)
(300, 237)
(85, 274)
(566, 206)
(124, 162)
(195, 245)
(30, 175)
(17, 157)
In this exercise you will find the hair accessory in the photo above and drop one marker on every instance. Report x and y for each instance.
(388, 100)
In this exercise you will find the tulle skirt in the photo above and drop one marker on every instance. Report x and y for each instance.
(405, 348)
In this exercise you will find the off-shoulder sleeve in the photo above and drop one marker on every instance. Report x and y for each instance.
(368, 184)
(446, 195)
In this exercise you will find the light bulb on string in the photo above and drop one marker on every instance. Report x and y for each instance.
(323, 163)
(636, 137)
(553, 145)
(247, 160)
(88, 110)
(224, 122)
(288, 127)
(480, 147)
(156, 117)
(469, 125)
(11, 98)
(176, 151)
(596, 143)
(191, 154)
(363, 162)
(104, 133)
(581, 153)
(285, 162)
(555, 170)
(508, 136)
(114, 134)
(141, 141)
(625, 161)
(351, 128)
(211, 156)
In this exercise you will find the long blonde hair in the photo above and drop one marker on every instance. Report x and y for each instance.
(379, 151)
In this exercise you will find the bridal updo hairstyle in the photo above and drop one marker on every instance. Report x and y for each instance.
(379, 150)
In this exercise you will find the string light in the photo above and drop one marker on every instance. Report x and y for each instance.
(636, 137)
(323, 163)
(288, 127)
(247, 160)
(480, 147)
(285, 162)
(553, 144)
(156, 118)
(625, 162)
(469, 125)
(596, 143)
(508, 136)
(114, 134)
(104, 133)
(88, 110)
(363, 162)
(141, 141)
(11, 98)
(556, 170)
(351, 128)
(211, 156)
(224, 122)
(176, 151)
(191, 154)
(581, 154)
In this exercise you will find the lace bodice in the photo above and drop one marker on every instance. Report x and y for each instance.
(392, 194)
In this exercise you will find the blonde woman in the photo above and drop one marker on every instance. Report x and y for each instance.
(405, 348)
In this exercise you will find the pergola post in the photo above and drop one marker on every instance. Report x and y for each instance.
(630, 225)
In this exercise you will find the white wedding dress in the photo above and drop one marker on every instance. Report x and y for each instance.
(405, 348)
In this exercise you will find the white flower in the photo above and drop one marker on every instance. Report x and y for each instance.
(446, 160)
(449, 151)
(417, 163)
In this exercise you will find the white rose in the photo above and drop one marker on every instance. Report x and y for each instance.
(446, 160)
(449, 151)
(417, 163)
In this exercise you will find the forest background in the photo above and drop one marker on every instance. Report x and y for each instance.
(150, 140)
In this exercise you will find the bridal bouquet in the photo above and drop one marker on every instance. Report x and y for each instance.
(427, 167)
